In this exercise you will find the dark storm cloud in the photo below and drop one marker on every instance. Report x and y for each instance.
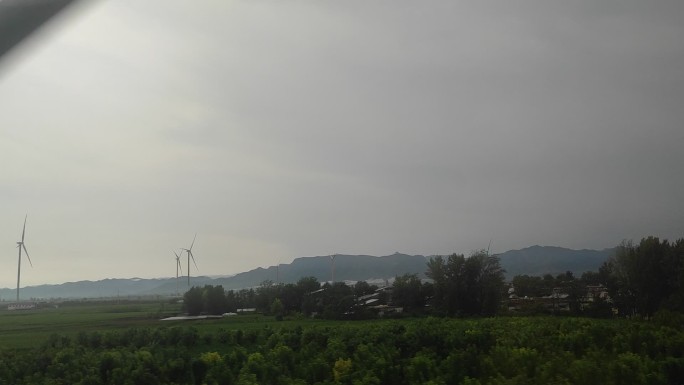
(310, 128)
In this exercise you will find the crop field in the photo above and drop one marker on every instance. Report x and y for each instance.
(127, 343)
(31, 328)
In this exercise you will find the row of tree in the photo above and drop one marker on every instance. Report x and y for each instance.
(573, 291)
(459, 286)
(641, 279)
(647, 277)
(307, 297)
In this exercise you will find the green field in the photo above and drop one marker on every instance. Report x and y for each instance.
(128, 344)
(31, 328)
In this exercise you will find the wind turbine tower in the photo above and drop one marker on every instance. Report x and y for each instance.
(178, 268)
(20, 246)
(190, 255)
(332, 268)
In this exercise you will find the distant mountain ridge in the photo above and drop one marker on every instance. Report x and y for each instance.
(347, 268)
(540, 260)
(535, 260)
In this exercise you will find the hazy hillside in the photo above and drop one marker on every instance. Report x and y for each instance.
(535, 260)
(104, 288)
(347, 267)
(540, 260)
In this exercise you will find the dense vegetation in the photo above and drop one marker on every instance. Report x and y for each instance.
(641, 279)
(307, 296)
(645, 282)
(501, 350)
(467, 286)
(646, 277)
(460, 286)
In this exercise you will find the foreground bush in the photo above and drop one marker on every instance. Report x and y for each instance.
(425, 351)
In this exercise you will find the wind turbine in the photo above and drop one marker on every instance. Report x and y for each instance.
(178, 267)
(21, 245)
(190, 255)
(332, 268)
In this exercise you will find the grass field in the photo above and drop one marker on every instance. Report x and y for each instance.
(30, 328)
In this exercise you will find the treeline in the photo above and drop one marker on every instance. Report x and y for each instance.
(574, 290)
(647, 277)
(459, 286)
(640, 280)
(306, 297)
(437, 351)
(467, 286)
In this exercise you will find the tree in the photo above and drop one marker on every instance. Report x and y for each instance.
(306, 286)
(362, 288)
(406, 292)
(641, 279)
(290, 298)
(277, 309)
(675, 264)
(592, 278)
(265, 294)
(574, 288)
(192, 301)
(467, 286)
(231, 301)
(295, 296)
(215, 299)
(529, 286)
(486, 279)
(208, 299)
(337, 299)
(437, 272)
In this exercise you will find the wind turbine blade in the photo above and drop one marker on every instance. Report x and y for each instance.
(23, 231)
(27, 255)
(180, 266)
(193, 260)
(193, 241)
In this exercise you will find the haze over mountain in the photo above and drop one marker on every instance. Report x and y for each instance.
(535, 260)
(540, 260)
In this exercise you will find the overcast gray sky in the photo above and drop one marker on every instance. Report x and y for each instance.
(280, 129)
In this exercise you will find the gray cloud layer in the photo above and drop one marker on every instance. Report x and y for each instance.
(283, 129)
